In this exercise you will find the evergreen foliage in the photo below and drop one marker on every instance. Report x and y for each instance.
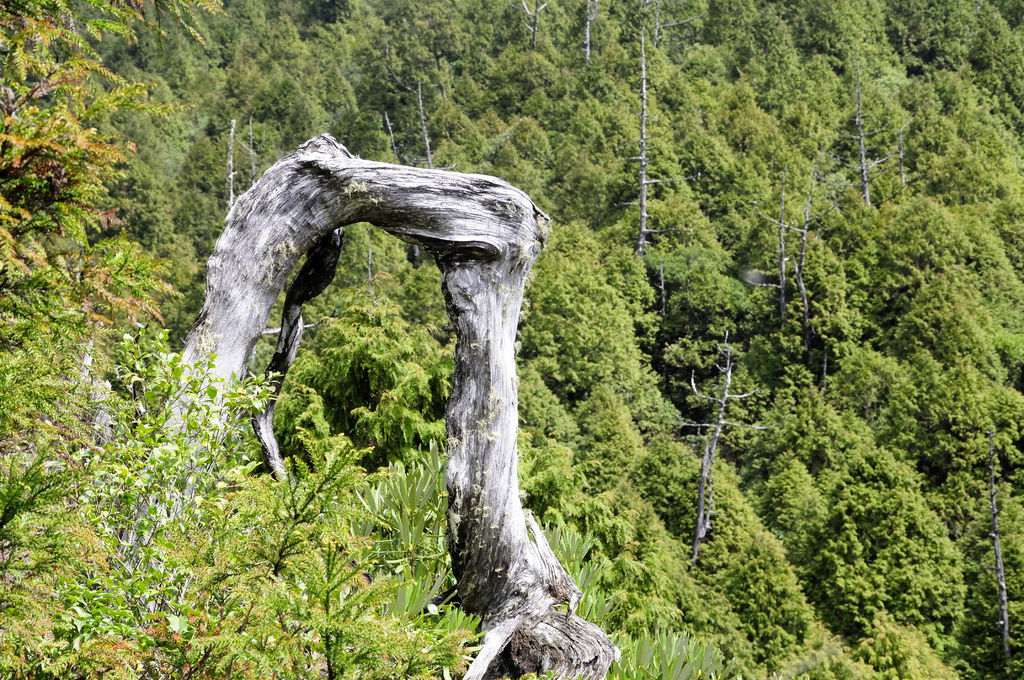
(885, 337)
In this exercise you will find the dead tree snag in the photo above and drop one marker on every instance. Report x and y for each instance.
(1004, 609)
(485, 236)
(705, 493)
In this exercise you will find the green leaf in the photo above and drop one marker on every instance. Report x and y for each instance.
(177, 623)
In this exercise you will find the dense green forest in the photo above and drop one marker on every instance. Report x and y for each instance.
(816, 208)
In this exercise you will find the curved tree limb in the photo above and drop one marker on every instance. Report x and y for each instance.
(485, 235)
(316, 274)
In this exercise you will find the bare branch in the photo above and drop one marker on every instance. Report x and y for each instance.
(307, 326)
(674, 179)
(668, 229)
(534, 15)
(742, 396)
(748, 427)
(693, 386)
(684, 21)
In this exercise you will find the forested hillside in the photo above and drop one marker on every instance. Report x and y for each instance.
(771, 361)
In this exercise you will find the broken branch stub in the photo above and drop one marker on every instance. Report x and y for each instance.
(485, 235)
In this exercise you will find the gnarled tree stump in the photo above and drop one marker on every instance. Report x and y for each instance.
(485, 235)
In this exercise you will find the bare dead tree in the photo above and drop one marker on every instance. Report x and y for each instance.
(643, 181)
(798, 271)
(369, 255)
(656, 4)
(824, 370)
(705, 494)
(485, 236)
(661, 288)
(534, 20)
(658, 25)
(391, 136)
(780, 223)
(591, 17)
(1004, 610)
(252, 155)
(800, 260)
(809, 220)
(862, 147)
(423, 124)
(249, 149)
(866, 166)
(231, 166)
(641, 241)
(782, 249)
(902, 158)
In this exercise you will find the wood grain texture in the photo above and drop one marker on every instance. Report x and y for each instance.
(485, 235)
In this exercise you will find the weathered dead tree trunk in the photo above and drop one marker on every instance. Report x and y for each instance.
(231, 165)
(534, 20)
(590, 18)
(782, 251)
(798, 262)
(705, 491)
(643, 183)
(782, 258)
(865, 166)
(485, 235)
(252, 155)
(798, 271)
(1004, 608)
(423, 124)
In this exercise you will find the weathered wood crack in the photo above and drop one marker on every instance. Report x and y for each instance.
(485, 235)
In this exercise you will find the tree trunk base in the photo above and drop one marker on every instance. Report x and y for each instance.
(562, 643)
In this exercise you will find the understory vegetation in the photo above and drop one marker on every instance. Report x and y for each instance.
(768, 445)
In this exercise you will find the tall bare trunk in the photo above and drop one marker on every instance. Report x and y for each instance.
(641, 240)
(1004, 608)
(591, 17)
(423, 124)
(231, 165)
(862, 150)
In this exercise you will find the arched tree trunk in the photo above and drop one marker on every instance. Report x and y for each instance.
(485, 235)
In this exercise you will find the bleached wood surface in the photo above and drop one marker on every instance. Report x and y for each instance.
(485, 235)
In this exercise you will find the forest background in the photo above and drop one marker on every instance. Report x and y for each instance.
(831, 206)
